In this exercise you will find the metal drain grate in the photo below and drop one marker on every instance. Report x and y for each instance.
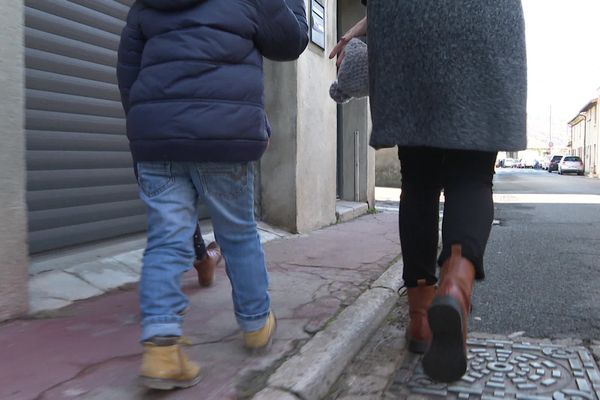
(503, 369)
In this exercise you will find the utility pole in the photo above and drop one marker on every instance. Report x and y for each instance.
(550, 123)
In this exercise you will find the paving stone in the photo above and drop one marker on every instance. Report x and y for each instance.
(274, 394)
(131, 260)
(39, 303)
(105, 275)
(60, 285)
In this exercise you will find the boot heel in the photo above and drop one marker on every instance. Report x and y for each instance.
(446, 359)
(417, 346)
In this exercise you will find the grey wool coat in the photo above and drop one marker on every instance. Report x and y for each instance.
(449, 74)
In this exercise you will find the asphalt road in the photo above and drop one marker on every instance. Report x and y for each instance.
(543, 260)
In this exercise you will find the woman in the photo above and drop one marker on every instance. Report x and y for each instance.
(448, 87)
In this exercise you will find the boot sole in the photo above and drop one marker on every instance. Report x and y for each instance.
(167, 384)
(446, 359)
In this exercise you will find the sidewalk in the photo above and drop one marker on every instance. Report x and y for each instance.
(89, 350)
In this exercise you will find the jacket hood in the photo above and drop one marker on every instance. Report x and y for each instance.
(171, 5)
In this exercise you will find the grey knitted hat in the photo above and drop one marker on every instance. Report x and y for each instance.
(353, 75)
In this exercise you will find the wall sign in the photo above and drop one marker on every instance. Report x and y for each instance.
(317, 22)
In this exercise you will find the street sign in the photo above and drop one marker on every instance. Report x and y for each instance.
(551, 145)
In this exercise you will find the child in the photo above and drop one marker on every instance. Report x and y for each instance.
(191, 81)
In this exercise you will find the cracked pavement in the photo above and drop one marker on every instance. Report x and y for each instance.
(90, 349)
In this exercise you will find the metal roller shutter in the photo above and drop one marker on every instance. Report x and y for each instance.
(80, 185)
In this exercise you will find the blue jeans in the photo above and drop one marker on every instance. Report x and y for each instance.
(171, 191)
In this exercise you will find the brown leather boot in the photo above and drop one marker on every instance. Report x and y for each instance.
(206, 266)
(418, 334)
(446, 359)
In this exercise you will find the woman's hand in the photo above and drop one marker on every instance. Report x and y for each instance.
(360, 29)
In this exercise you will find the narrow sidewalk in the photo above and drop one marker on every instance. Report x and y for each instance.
(89, 350)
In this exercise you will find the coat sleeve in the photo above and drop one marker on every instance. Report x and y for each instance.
(282, 31)
(130, 51)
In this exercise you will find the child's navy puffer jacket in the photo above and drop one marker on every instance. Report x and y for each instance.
(191, 78)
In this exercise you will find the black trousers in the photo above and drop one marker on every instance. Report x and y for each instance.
(466, 178)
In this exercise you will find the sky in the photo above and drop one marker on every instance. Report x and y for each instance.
(563, 51)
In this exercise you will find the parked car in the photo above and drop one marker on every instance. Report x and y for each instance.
(509, 163)
(519, 164)
(545, 163)
(529, 163)
(571, 164)
(553, 166)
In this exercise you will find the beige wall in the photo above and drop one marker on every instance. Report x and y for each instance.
(279, 164)
(298, 172)
(317, 125)
(387, 168)
(13, 213)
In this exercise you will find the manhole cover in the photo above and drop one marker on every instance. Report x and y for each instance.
(501, 369)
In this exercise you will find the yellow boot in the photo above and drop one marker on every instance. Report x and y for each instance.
(165, 366)
(260, 340)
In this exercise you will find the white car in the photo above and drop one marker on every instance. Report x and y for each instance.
(570, 164)
(509, 163)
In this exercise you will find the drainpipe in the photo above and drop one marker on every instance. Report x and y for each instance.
(356, 166)
(584, 142)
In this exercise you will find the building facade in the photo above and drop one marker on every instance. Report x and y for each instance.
(585, 137)
(65, 164)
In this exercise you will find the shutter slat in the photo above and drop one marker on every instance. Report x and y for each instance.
(127, 3)
(71, 235)
(63, 198)
(66, 103)
(108, 7)
(78, 13)
(72, 141)
(79, 178)
(41, 20)
(53, 160)
(51, 219)
(48, 42)
(65, 122)
(44, 61)
(58, 83)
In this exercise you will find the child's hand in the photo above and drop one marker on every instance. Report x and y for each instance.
(360, 29)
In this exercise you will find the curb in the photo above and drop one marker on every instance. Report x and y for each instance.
(310, 374)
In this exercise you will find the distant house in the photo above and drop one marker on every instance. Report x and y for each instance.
(585, 137)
